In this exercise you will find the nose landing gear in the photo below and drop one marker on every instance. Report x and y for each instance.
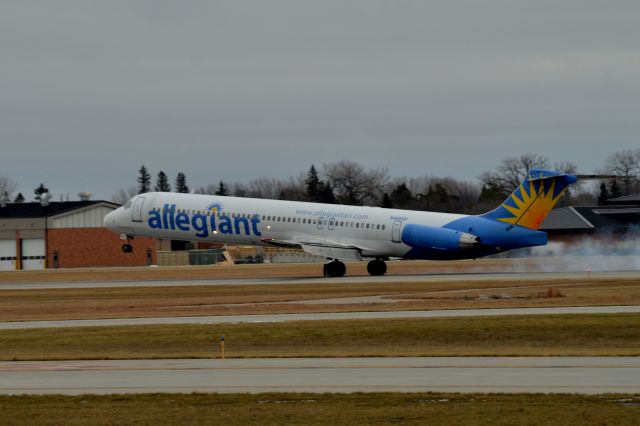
(126, 247)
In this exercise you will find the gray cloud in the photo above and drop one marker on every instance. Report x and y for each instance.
(234, 90)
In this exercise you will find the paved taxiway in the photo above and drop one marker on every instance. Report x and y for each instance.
(586, 375)
(426, 278)
(227, 319)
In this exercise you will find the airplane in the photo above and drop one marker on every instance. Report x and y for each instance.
(342, 232)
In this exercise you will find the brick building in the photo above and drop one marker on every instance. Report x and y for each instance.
(65, 235)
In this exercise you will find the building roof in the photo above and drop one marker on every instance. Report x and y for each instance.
(37, 210)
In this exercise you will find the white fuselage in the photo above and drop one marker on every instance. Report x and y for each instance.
(193, 217)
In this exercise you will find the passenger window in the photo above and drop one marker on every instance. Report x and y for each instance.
(378, 226)
(367, 226)
(382, 226)
(357, 225)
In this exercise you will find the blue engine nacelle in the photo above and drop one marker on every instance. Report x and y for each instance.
(430, 238)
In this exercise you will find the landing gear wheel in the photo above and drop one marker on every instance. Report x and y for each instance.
(335, 269)
(127, 248)
(376, 267)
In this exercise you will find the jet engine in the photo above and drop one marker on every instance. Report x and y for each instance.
(432, 238)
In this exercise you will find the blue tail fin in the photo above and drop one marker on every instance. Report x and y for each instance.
(532, 201)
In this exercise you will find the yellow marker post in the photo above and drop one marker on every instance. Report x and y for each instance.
(221, 347)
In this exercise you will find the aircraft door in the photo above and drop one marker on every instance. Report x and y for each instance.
(136, 211)
(395, 231)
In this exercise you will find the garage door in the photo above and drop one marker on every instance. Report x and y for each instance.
(7, 255)
(33, 254)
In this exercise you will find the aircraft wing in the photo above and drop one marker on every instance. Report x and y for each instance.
(320, 247)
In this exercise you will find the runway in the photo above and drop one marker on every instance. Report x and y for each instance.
(588, 375)
(226, 319)
(426, 278)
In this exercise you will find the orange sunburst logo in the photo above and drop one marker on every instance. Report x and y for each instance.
(531, 203)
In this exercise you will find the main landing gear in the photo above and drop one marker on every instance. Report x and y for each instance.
(126, 247)
(377, 267)
(335, 268)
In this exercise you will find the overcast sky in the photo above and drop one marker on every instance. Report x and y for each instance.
(90, 90)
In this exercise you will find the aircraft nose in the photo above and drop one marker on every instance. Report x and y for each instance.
(110, 219)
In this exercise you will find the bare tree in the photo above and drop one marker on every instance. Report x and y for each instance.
(512, 171)
(265, 187)
(210, 189)
(239, 190)
(122, 196)
(7, 185)
(572, 168)
(462, 195)
(353, 184)
(625, 164)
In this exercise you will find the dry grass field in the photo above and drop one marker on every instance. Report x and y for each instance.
(126, 302)
(321, 409)
(548, 335)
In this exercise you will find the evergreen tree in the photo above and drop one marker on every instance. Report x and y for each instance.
(162, 182)
(222, 189)
(386, 201)
(615, 189)
(442, 193)
(491, 193)
(604, 194)
(144, 180)
(313, 185)
(19, 198)
(181, 184)
(39, 191)
(401, 196)
(326, 194)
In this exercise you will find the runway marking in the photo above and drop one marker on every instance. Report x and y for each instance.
(318, 367)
